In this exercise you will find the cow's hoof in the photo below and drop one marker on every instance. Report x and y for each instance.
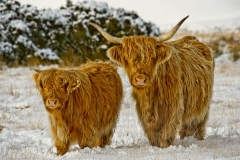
(61, 151)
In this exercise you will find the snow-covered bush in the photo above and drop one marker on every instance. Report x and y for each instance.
(26, 31)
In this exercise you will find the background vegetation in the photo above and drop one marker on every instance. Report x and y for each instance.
(29, 36)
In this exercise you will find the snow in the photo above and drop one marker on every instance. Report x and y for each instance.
(7, 17)
(46, 53)
(16, 25)
(25, 41)
(23, 24)
(6, 47)
(26, 134)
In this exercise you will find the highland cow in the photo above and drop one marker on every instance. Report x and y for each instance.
(172, 83)
(82, 104)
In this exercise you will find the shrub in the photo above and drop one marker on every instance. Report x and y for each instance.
(29, 35)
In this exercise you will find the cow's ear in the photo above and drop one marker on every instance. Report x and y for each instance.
(35, 77)
(115, 54)
(163, 53)
(36, 74)
(74, 83)
(37, 81)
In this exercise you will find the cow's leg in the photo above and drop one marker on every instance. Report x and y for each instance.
(96, 142)
(161, 133)
(83, 143)
(186, 130)
(196, 128)
(87, 141)
(106, 139)
(157, 140)
(168, 135)
(200, 130)
(62, 147)
(163, 138)
(153, 137)
(166, 142)
(102, 141)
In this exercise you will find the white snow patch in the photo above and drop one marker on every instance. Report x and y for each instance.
(25, 133)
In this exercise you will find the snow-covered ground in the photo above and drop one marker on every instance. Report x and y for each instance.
(25, 133)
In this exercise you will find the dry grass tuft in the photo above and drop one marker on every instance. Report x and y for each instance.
(1, 128)
(70, 59)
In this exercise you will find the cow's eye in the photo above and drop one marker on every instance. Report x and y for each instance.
(63, 87)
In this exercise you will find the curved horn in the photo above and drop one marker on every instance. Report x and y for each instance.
(170, 34)
(37, 70)
(109, 37)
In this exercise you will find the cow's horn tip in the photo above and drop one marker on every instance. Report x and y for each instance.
(37, 70)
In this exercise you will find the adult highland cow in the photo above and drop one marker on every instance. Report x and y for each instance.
(83, 104)
(172, 83)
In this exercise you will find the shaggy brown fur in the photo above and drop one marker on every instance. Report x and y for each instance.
(83, 104)
(172, 85)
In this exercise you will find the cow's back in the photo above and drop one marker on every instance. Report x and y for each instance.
(187, 77)
(107, 91)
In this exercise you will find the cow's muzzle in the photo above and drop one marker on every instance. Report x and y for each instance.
(140, 80)
(52, 103)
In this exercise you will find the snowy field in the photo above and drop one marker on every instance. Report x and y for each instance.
(24, 130)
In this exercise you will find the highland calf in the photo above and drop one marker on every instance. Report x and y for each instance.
(172, 83)
(83, 104)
